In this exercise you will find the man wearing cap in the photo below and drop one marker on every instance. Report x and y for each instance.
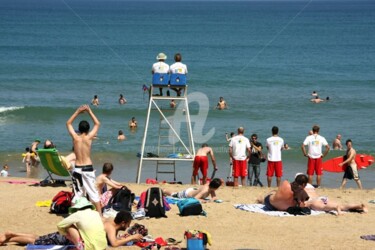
(160, 67)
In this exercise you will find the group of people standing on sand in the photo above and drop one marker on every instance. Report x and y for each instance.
(246, 155)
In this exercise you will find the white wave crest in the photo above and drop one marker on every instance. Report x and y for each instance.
(6, 109)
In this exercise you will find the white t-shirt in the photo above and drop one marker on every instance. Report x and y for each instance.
(315, 143)
(4, 173)
(239, 145)
(178, 68)
(274, 145)
(160, 67)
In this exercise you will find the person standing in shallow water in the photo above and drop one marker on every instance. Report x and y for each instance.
(95, 101)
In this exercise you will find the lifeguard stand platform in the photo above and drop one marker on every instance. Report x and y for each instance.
(174, 142)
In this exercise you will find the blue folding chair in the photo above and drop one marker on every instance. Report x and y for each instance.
(178, 80)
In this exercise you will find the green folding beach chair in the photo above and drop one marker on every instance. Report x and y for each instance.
(52, 162)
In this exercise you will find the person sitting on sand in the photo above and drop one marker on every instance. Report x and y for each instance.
(104, 181)
(84, 229)
(121, 222)
(200, 193)
(4, 172)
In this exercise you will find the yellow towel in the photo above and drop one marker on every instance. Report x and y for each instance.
(46, 203)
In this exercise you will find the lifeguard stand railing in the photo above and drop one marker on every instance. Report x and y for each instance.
(174, 143)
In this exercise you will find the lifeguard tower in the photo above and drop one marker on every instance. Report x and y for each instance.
(171, 126)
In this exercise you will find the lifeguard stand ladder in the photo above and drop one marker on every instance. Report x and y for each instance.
(168, 136)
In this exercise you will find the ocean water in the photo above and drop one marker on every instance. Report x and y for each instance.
(264, 57)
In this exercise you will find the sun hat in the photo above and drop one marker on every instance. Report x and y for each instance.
(81, 203)
(37, 140)
(161, 56)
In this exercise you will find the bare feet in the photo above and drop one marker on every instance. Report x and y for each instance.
(2, 239)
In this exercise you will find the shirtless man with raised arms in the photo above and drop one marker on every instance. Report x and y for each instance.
(84, 174)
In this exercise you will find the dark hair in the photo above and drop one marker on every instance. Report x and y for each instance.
(50, 145)
(120, 132)
(95, 96)
(204, 145)
(84, 127)
(231, 134)
(275, 130)
(301, 179)
(178, 57)
(315, 129)
(123, 216)
(254, 135)
(107, 168)
(27, 149)
(215, 183)
(347, 141)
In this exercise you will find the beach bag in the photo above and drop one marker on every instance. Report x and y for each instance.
(61, 202)
(189, 206)
(122, 199)
(154, 203)
(197, 239)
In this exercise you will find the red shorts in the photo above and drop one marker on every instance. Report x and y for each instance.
(274, 167)
(200, 162)
(239, 168)
(314, 165)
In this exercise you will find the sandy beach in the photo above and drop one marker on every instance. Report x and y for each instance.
(230, 228)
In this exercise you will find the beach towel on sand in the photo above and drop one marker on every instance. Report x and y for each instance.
(259, 208)
(50, 247)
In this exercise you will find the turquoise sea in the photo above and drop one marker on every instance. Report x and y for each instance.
(264, 57)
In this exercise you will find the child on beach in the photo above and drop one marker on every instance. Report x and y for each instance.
(200, 193)
(106, 186)
(27, 159)
(4, 172)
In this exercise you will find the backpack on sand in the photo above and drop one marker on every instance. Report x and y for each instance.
(61, 202)
(122, 199)
(154, 203)
(190, 206)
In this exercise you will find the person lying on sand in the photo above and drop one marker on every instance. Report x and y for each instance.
(322, 203)
(285, 196)
(200, 193)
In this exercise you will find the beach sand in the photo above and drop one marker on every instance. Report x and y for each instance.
(230, 228)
